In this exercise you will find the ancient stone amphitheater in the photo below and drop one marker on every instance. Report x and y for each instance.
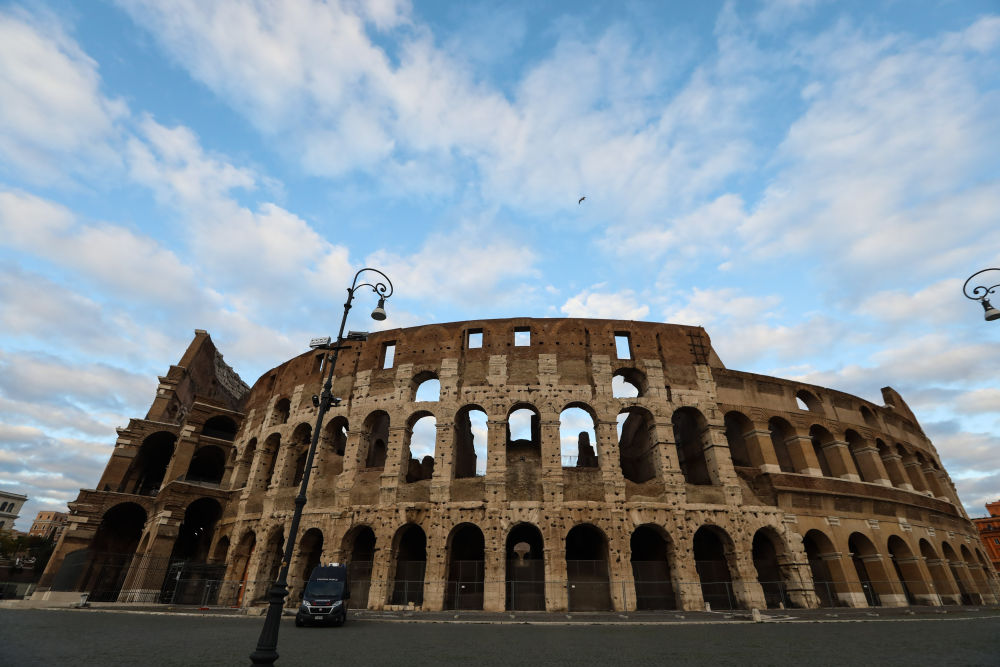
(571, 464)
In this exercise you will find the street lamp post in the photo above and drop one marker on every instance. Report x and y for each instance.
(267, 644)
(980, 292)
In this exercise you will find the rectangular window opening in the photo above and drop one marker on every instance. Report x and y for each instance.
(623, 344)
(475, 338)
(388, 354)
(522, 337)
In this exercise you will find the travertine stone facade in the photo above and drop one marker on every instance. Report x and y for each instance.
(708, 486)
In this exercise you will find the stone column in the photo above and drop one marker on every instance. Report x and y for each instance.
(552, 474)
(800, 450)
(897, 474)
(718, 459)
(609, 458)
(944, 585)
(383, 569)
(181, 459)
(760, 449)
(845, 579)
(872, 468)
(444, 460)
(494, 587)
(917, 579)
(933, 483)
(352, 463)
(395, 467)
(148, 570)
(687, 583)
(838, 457)
(556, 598)
(883, 581)
(496, 466)
(794, 567)
(916, 475)
(435, 574)
(620, 575)
(959, 569)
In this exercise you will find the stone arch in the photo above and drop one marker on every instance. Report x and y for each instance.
(820, 437)
(977, 576)
(876, 583)
(470, 455)
(419, 443)
(112, 550)
(409, 551)
(855, 443)
(466, 549)
(690, 431)
(524, 454)
(714, 552)
(652, 557)
(525, 568)
(629, 382)
(220, 427)
(781, 432)
(907, 568)
(239, 568)
(911, 467)
(767, 552)
(829, 582)
(269, 458)
(868, 416)
(146, 473)
(578, 436)
(637, 444)
(332, 445)
(298, 454)
(891, 462)
(194, 537)
(944, 585)
(375, 439)
(959, 575)
(587, 574)
(807, 400)
(359, 547)
(425, 387)
(282, 411)
(737, 424)
(310, 553)
(270, 564)
(208, 465)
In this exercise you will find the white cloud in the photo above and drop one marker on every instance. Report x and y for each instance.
(620, 305)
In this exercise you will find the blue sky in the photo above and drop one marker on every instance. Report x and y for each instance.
(811, 181)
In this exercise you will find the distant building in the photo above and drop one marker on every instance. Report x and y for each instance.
(10, 508)
(989, 532)
(49, 525)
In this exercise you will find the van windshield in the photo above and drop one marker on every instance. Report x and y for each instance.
(325, 589)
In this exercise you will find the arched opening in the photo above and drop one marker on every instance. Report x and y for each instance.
(588, 579)
(637, 445)
(310, 553)
(977, 576)
(269, 456)
(781, 431)
(270, 565)
(524, 454)
(941, 578)
(819, 437)
(737, 424)
(333, 444)
(769, 571)
(577, 438)
(411, 560)
(243, 466)
(525, 569)
(867, 567)
(297, 452)
(466, 568)
(961, 582)
(112, 551)
(470, 442)
(912, 583)
(819, 549)
(654, 588)
(146, 474)
(221, 551)
(426, 387)
(189, 576)
(690, 427)
(854, 445)
(890, 460)
(360, 544)
(912, 468)
(376, 435)
(240, 568)
(208, 465)
(806, 400)
(419, 447)
(220, 427)
(869, 417)
(282, 410)
(711, 562)
(628, 383)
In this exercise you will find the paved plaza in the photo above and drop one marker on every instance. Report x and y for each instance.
(103, 637)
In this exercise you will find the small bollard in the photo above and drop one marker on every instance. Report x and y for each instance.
(83, 604)
(755, 615)
(708, 606)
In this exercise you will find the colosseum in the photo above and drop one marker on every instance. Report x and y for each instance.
(572, 464)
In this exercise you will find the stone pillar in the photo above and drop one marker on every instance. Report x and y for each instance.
(872, 468)
(917, 580)
(551, 452)
(435, 574)
(760, 449)
(746, 587)
(838, 457)
(352, 463)
(383, 569)
(883, 581)
(794, 567)
(800, 450)
(148, 570)
(944, 585)
(916, 475)
(982, 583)
(620, 575)
(609, 458)
(718, 459)
(934, 483)
(897, 474)
(395, 466)
(845, 579)
(687, 583)
(494, 587)
(444, 461)
(181, 459)
(556, 598)
(958, 568)
(496, 463)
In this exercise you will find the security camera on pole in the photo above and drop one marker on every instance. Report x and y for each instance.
(267, 644)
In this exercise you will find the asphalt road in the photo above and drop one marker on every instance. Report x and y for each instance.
(71, 638)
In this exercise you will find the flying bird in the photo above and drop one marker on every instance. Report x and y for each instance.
(581, 199)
